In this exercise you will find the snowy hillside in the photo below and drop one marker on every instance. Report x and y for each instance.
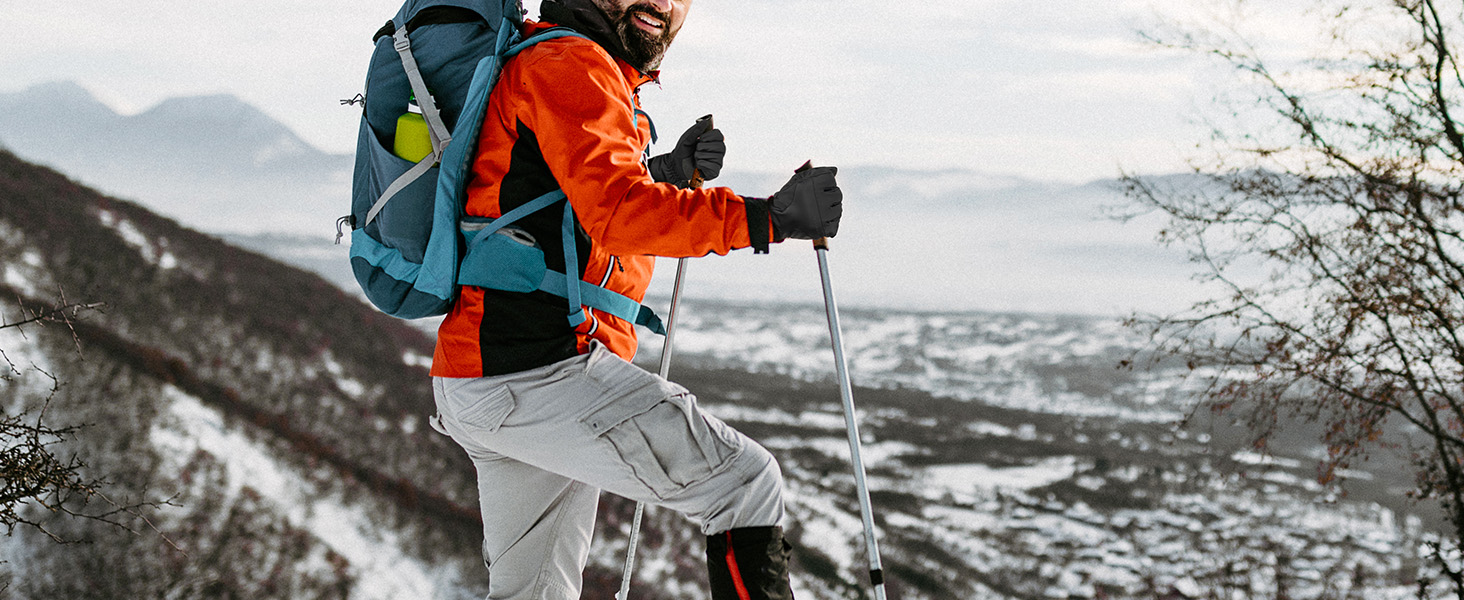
(1062, 365)
(1009, 457)
(201, 384)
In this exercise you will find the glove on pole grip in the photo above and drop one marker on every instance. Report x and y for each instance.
(823, 242)
(696, 175)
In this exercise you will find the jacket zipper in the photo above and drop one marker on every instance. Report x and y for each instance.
(604, 281)
(610, 268)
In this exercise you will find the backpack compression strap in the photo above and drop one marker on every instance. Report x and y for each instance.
(583, 293)
(565, 284)
(436, 129)
(440, 135)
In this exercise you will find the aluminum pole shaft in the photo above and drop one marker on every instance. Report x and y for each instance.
(666, 344)
(846, 392)
(665, 371)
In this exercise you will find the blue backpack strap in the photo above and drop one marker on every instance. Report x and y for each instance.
(583, 293)
(522, 211)
(571, 267)
(636, 120)
(645, 317)
(553, 33)
(604, 300)
(457, 159)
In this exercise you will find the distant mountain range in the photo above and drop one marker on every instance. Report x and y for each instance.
(213, 162)
(942, 239)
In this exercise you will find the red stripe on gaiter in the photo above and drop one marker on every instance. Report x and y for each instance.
(736, 573)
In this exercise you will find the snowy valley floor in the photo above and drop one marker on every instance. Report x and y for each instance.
(1085, 495)
(975, 501)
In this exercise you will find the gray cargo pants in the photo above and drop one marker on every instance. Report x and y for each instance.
(547, 440)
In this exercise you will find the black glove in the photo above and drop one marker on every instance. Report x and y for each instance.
(809, 205)
(701, 147)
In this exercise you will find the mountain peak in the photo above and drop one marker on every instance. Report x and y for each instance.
(56, 98)
(214, 108)
(217, 102)
(59, 89)
(223, 127)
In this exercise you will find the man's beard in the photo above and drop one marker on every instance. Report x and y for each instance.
(644, 50)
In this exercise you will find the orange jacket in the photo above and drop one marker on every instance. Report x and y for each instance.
(565, 114)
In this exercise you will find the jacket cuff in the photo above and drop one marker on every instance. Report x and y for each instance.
(759, 224)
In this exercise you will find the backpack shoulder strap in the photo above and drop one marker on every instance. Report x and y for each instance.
(553, 33)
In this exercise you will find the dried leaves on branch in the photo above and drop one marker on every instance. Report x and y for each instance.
(33, 470)
(1331, 222)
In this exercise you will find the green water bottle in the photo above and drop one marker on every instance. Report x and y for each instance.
(412, 141)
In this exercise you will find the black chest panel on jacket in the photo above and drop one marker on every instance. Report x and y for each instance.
(525, 331)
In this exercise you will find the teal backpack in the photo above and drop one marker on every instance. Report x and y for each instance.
(412, 245)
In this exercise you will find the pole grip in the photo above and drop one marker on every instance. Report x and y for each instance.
(697, 180)
(820, 243)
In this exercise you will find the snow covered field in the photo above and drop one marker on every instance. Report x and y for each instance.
(1035, 467)
(1042, 363)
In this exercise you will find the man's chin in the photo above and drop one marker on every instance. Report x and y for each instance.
(650, 63)
(644, 50)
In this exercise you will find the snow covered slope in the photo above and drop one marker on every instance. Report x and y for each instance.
(284, 422)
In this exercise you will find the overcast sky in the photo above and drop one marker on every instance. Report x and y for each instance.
(1059, 90)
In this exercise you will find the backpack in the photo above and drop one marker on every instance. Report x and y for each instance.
(412, 245)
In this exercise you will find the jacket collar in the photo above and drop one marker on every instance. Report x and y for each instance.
(585, 17)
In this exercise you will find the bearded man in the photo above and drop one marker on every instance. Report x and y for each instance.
(553, 413)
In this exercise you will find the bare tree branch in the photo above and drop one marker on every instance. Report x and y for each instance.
(1336, 231)
(34, 475)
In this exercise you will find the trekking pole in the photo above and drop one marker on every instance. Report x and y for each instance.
(640, 507)
(846, 391)
(665, 371)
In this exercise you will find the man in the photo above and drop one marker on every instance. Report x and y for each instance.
(552, 413)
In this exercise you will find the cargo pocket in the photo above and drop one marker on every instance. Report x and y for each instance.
(665, 440)
(485, 414)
